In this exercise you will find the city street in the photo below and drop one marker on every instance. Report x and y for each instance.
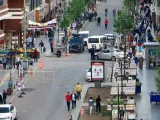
(45, 97)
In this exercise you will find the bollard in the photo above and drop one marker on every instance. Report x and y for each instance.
(14, 86)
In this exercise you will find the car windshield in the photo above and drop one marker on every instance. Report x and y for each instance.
(84, 35)
(4, 110)
(89, 70)
(118, 50)
(75, 40)
(93, 40)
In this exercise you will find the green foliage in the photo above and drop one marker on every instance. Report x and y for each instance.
(74, 10)
(138, 83)
(123, 23)
(157, 79)
(129, 5)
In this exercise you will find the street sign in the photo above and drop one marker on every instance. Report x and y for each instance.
(97, 71)
(82, 111)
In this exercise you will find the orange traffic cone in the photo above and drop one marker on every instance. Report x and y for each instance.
(40, 67)
(67, 54)
(42, 63)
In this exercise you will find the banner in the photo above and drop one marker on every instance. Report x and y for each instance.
(36, 25)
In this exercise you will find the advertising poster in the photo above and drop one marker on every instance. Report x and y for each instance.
(97, 72)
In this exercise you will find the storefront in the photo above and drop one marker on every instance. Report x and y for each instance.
(152, 54)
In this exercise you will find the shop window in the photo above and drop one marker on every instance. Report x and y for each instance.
(152, 58)
(1, 2)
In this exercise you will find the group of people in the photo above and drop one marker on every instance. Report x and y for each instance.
(76, 95)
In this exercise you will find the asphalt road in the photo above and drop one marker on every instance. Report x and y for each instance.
(45, 100)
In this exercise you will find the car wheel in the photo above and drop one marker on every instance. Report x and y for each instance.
(113, 58)
(96, 57)
(16, 117)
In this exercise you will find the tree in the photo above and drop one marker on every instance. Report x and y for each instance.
(129, 5)
(123, 23)
(73, 11)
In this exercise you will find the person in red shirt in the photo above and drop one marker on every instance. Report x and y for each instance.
(106, 23)
(68, 100)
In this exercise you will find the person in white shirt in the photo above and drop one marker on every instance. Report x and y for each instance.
(73, 99)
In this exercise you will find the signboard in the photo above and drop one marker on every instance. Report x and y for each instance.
(97, 71)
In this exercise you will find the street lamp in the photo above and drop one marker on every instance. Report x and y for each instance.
(112, 60)
(116, 75)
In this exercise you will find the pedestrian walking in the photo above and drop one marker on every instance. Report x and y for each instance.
(4, 62)
(4, 96)
(95, 15)
(129, 61)
(141, 59)
(68, 100)
(17, 61)
(41, 44)
(136, 61)
(92, 51)
(35, 55)
(73, 99)
(91, 104)
(106, 23)
(98, 21)
(78, 90)
(98, 104)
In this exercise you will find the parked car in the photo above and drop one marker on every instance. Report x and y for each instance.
(8, 112)
(85, 35)
(88, 74)
(106, 54)
(110, 36)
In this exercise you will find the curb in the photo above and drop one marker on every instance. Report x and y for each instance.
(16, 91)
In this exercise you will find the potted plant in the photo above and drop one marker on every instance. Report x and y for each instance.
(138, 87)
(10, 88)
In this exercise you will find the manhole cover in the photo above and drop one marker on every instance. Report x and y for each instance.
(27, 89)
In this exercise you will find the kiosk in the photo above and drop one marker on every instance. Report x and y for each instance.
(151, 55)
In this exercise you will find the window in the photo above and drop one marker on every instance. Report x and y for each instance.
(84, 35)
(4, 110)
(93, 40)
(1, 2)
(106, 51)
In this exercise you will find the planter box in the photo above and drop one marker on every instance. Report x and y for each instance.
(138, 89)
(25, 65)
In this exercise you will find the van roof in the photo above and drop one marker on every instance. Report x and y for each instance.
(97, 36)
(81, 32)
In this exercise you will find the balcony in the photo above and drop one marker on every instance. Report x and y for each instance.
(3, 7)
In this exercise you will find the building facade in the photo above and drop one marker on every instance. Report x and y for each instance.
(3, 15)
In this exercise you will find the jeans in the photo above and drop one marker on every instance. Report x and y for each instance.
(41, 49)
(73, 104)
(92, 57)
(68, 106)
(4, 100)
(106, 26)
(98, 107)
(90, 109)
(78, 95)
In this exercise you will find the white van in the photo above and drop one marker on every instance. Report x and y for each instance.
(96, 42)
(85, 35)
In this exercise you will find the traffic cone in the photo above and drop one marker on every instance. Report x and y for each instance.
(40, 67)
(67, 54)
(42, 63)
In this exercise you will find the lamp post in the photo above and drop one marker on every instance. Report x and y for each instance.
(112, 50)
(24, 29)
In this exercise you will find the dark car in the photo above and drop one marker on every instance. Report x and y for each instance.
(76, 45)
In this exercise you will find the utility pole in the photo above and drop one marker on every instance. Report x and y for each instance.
(118, 101)
(24, 29)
